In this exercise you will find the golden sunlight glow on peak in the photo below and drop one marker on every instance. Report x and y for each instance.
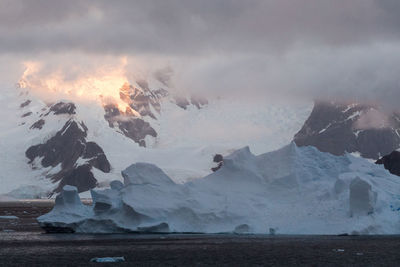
(31, 67)
(101, 84)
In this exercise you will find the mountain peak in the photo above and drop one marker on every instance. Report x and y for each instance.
(339, 128)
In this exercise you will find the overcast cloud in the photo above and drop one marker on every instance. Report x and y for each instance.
(286, 48)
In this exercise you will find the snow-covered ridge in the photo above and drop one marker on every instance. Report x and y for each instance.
(294, 190)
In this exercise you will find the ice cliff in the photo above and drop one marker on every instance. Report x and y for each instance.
(294, 190)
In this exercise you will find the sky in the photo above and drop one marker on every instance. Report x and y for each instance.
(284, 49)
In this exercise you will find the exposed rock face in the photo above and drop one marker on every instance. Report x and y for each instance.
(81, 177)
(38, 125)
(26, 114)
(142, 102)
(391, 162)
(63, 108)
(26, 103)
(339, 128)
(66, 148)
(141, 99)
(181, 102)
(219, 159)
(135, 128)
(196, 101)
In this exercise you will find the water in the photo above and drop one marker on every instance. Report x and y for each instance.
(23, 243)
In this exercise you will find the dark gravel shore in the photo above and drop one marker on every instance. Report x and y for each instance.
(34, 248)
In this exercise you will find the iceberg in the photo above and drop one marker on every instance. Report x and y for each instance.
(294, 190)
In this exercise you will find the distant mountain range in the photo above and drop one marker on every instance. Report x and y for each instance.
(87, 145)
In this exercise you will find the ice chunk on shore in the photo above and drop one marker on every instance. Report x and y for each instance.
(68, 210)
(298, 190)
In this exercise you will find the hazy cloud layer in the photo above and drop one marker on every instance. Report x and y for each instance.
(284, 48)
(181, 26)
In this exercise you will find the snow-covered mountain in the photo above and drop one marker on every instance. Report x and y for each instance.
(67, 154)
(354, 128)
(88, 142)
(70, 157)
(293, 190)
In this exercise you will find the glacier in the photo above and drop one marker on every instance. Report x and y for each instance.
(293, 190)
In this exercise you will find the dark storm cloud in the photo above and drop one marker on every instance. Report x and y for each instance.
(287, 48)
(179, 27)
(15, 14)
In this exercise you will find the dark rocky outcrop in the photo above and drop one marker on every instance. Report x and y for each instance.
(26, 114)
(26, 103)
(67, 147)
(96, 157)
(38, 125)
(63, 108)
(135, 128)
(335, 128)
(196, 101)
(81, 177)
(391, 162)
(219, 159)
(141, 102)
(141, 99)
(181, 102)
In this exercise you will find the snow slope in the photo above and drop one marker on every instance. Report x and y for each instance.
(15, 138)
(288, 191)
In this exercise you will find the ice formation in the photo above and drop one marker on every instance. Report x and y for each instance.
(294, 190)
